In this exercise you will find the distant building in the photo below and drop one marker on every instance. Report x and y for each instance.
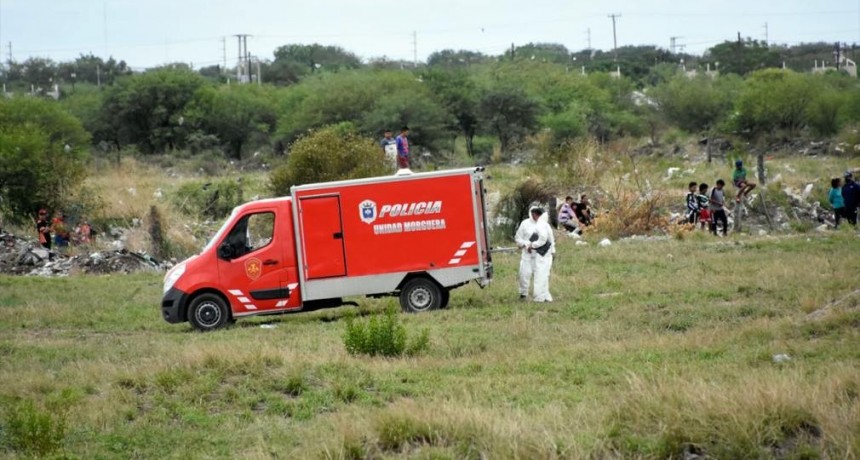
(844, 64)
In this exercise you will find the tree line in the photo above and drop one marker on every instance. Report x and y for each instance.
(486, 106)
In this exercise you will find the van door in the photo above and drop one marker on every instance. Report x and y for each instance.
(322, 237)
(251, 264)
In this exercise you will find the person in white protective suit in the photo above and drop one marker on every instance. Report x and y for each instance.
(535, 238)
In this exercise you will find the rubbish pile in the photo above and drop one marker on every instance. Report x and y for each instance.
(19, 256)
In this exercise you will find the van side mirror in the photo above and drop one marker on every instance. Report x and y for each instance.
(225, 251)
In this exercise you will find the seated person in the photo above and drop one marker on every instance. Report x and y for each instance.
(583, 210)
(567, 216)
(739, 179)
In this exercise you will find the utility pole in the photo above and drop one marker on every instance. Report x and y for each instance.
(766, 36)
(10, 52)
(588, 35)
(104, 26)
(673, 44)
(224, 51)
(838, 54)
(243, 67)
(415, 48)
(740, 55)
(614, 16)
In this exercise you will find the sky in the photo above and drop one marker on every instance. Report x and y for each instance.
(148, 33)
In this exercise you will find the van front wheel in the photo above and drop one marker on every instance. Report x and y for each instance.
(208, 312)
(419, 295)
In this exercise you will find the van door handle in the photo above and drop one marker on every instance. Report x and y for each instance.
(338, 236)
(270, 262)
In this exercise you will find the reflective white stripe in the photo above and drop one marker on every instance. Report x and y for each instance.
(281, 304)
(460, 253)
(250, 306)
(467, 245)
(244, 299)
(236, 292)
(292, 286)
(453, 261)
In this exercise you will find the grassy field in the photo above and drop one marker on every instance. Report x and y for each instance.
(655, 349)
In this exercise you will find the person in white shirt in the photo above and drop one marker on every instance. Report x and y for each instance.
(537, 242)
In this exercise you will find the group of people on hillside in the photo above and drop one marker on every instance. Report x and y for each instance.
(396, 149)
(845, 198)
(82, 233)
(708, 209)
(575, 216)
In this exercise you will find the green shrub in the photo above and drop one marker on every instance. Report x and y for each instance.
(514, 207)
(35, 431)
(382, 335)
(332, 153)
(214, 200)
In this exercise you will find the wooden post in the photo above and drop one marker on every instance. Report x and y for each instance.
(709, 147)
(761, 176)
(738, 215)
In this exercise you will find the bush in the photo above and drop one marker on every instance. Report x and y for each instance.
(514, 207)
(212, 199)
(35, 431)
(333, 153)
(383, 336)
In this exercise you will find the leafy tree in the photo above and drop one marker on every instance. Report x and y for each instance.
(41, 73)
(372, 100)
(235, 114)
(741, 58)
(693, 104)
(148, 109)
(544, 52)
(93, 70)
(42, 152)
(451, 59)
(459, 95)
(772, 100)
(331, 153)
(294, 62)
(509, 114)
(823, 112)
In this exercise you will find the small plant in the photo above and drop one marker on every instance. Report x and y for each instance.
(35, 431)
(384, 336)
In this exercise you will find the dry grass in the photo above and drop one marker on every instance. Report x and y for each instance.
(652, 349)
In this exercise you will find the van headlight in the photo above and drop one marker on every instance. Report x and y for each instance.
(173, 276)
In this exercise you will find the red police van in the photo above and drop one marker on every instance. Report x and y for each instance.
(416, 236)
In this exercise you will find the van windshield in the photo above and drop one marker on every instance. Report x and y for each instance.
(220, 233)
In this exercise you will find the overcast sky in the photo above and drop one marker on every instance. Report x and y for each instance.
(151, 32)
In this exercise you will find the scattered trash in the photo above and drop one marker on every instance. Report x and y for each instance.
(268, 326)
(581, 243)
(605, 242)
(22, 257)
(781, 358)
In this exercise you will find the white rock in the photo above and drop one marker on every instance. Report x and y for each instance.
(605, 242)
(806, 191)
(267, 326)
(762, 232)
(581, 243)
(781, 358)
(821, 228)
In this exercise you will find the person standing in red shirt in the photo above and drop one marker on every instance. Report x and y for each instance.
(403, 148)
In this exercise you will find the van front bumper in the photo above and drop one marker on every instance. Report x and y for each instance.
(174, 305)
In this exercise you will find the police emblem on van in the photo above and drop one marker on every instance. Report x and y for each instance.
(367, 211)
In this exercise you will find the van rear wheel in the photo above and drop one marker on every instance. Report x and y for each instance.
(419, 295)
(208, 312)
